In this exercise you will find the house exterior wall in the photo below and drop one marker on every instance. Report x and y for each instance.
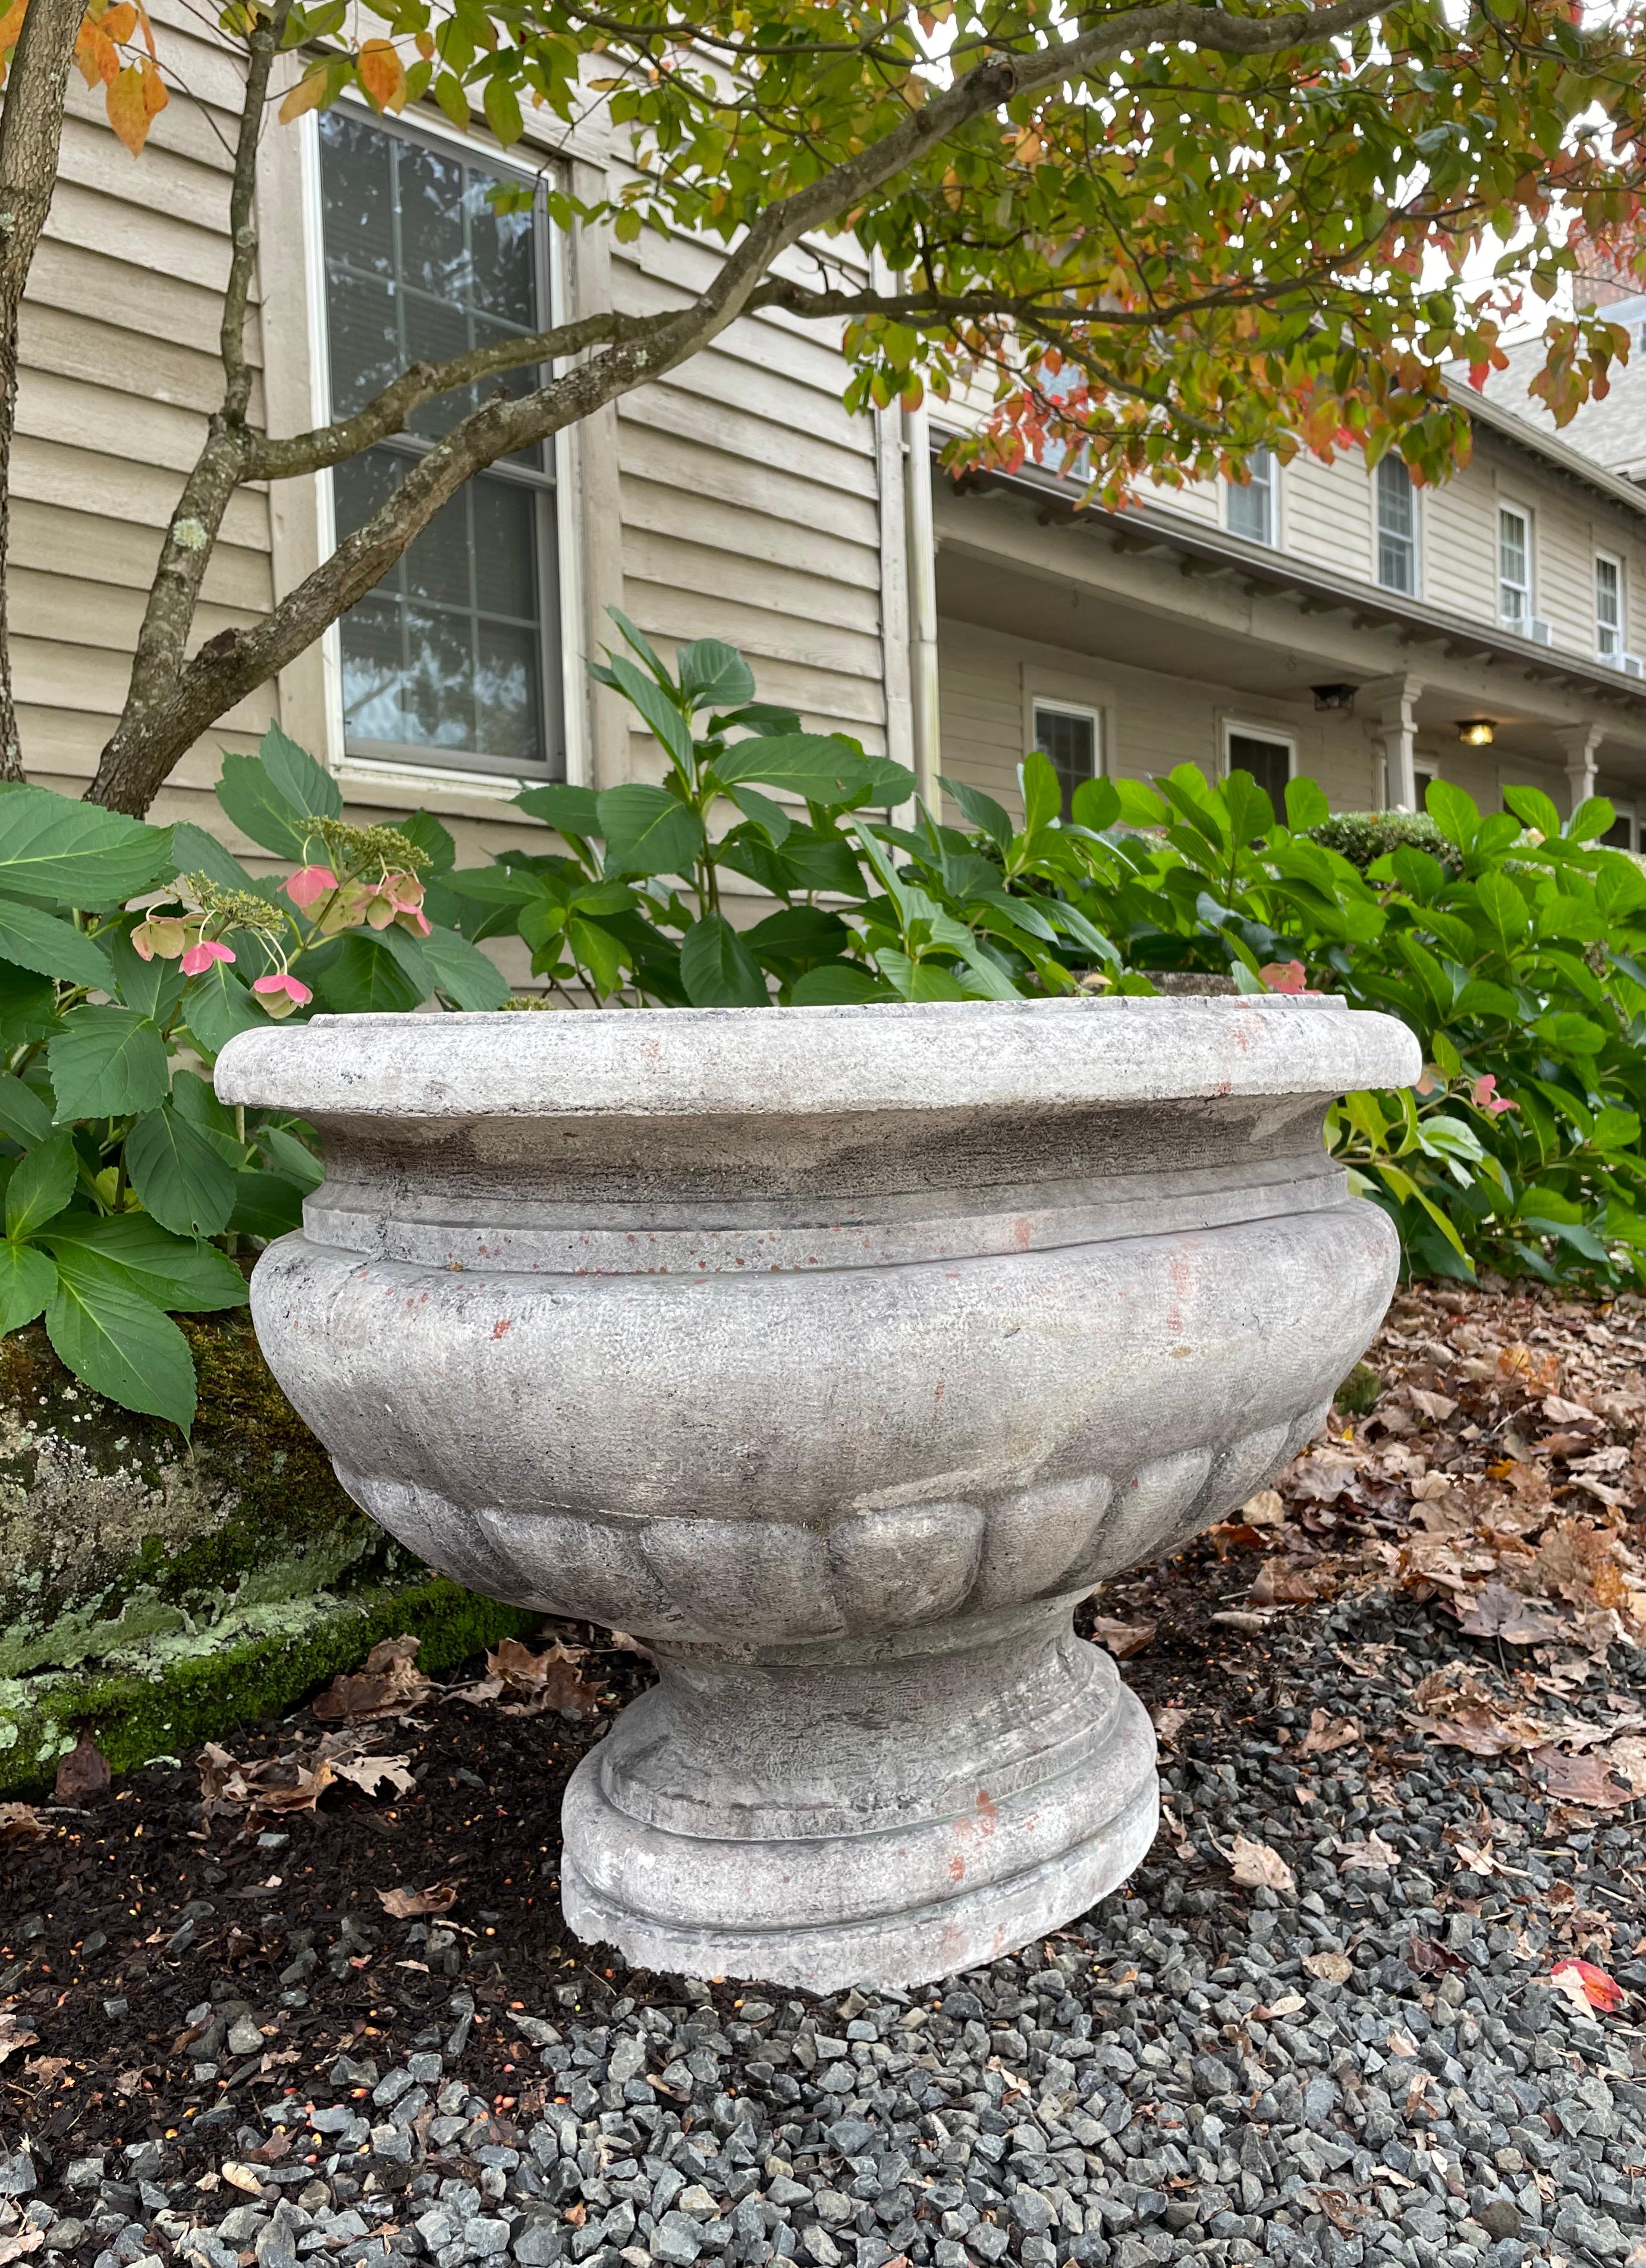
(735, 499)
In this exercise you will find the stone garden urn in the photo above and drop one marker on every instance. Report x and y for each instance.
(837, 1352)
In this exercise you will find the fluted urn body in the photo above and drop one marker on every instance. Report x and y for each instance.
(837, 1352)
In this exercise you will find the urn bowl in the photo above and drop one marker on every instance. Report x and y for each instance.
(836, 1352)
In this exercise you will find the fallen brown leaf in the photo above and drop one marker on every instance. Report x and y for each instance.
(13, 2038)
(1533, 1370)
(538, 1682)
(1496, 1611)
(1326, 1733)
(1256, 1866)
(369, 1773)
(408, 1905)
(46, 2071)
(1279, 1583)
(1587, 1780)
(20, 1820)
(1426, 1957)
(19, 2247)
(1369, 1855)
(1265, 1509)
(1169, 1721)
(1123, 1639)
(241, 2177)
(84, 1772)
(1437, 1406)
(1330, 1967)
(389, 1685)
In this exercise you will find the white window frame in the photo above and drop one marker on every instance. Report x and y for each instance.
(1093, 716)
(1618, 628)
(564, 710)
(1253, 729)
(1520, 621)
(1270, 489)
(1376, 530)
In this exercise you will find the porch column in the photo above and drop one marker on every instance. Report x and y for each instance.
(1577, 744)
(1390, 708)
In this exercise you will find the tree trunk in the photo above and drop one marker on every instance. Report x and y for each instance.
(30, 129)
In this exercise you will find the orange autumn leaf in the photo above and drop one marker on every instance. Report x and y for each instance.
(135, 96)
(1600, 1991)
(119, 23)
(10, 24)
(382, 74)
(96, 54)
(309, 93)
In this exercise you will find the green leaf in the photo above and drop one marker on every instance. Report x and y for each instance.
(193, 851)
(1140, 806)
(1457, 816)
(407, 952)
(468, 977)
(298, 780)
(1042, 791)
(23, 1114)
(761, 812)
(840, 984)
(293, 1161)
(41, 1185)
(981, 812)
(884, 784)
(1570, 1034)
(1251, 811)
(431, 835)
(153, 988)
(1096, 804)
(193, 1278)
(54, 846)
(266, 1205)
(714, 675)
(218, 1005)
(638, 640)
(28, 1007)
(648, 831)
(257, 807)
(177, 1173)
(1617, 1130)
(570, 810)
(120, 1344)
(1533, 808)
(596, 950)
(717, 968)
(193, 1096)
(658, 706)
(27, 1280)
(105, 1062)
(357, 975)
(39, 941)
(818, 766)
(798, 934)
(1306, 805)
(1592, 819)
(1504, 908)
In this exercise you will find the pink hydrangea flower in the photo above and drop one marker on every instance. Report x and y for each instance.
(279, 995)
(201, 956)
(309, 885)
(162, 933)
(1285, 976)
(1484, 1095)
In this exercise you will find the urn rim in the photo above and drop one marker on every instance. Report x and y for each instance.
(902, 1056)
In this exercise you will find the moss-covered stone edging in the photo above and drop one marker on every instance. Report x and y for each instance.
(160, 1592)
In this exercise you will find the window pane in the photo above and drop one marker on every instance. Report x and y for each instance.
(447, 652)
(1620, 834)
(1512, 563)
(1268, 762)
(1251, 508)
(1069, 743)
(1397, 528)
(1608, 605)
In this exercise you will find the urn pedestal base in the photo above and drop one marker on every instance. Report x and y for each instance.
(798, 1820)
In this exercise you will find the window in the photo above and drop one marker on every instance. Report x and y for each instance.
(1514, 567)
(1608, 605)
(1252, 507)
(1620, 835)
(1268, 759)
(1397, 528)
(1069, 739)
(450, 658)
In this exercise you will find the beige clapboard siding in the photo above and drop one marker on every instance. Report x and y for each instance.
(1326, 515)
(85, 347)
(69, 410)
(53, 471)
(123, 553)
(56, 673)
(754, 490)
(128, 304)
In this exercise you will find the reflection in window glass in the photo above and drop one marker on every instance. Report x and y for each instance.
(1396, 526)
(446, 653)
(1252, 507)
(1514, 567)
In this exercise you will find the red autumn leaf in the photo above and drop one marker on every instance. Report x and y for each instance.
(1600, 1991)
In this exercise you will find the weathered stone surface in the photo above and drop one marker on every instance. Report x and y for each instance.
(837, 1352)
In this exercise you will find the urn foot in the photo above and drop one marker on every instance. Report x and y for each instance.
(877, 1815)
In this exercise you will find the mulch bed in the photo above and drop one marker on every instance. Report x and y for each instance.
(1481, 1522)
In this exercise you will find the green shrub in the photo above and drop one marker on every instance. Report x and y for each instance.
(1364, 837)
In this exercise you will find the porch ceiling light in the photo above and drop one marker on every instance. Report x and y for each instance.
(1476, 731)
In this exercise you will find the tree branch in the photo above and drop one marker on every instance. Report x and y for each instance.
(233, 663)
(30, 132)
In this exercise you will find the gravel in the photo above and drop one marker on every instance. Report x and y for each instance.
(1182, 2075)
